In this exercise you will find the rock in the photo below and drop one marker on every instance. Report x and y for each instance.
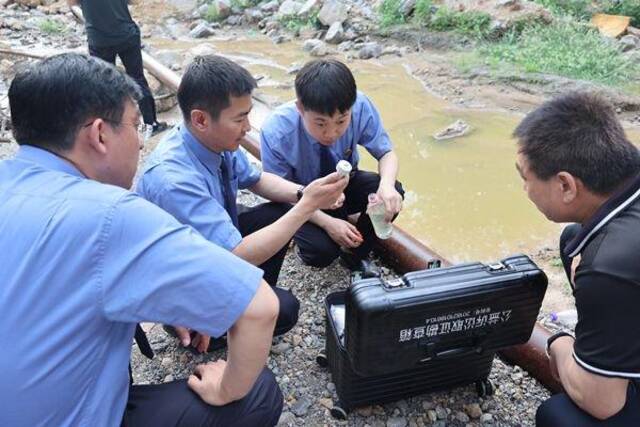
(332, 11)
(486, 419)
(224, 8)
(281, 348)
(301, 407)
(365, 411)
(289, 8)
(473, 410)
(370, 50)
(506, 3)
(201, 31)
(270, 7)
(168, 379)
(441, 412)
(454, 130)
(184, 6)
(315, 47)
(166, 361)
(287, 419)
(345, 46)
(462, 417)
(234, 20)
(253, 16)
(629, 42)
(396, 422)
(406, 7)
(309, 8)
(432, 415)
(279, 39)
(633, 31)
(201, 11)
(327, 403)
(335, 33)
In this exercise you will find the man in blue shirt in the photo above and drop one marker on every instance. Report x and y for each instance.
(195, 172)
(305, 139)
(84, 260)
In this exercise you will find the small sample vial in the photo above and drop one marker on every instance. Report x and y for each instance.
(343, 168)
(376, 212)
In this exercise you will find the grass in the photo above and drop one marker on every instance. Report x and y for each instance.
(565, 48)
(472, 24)
(51, 26)
(212, 14)
(624, 7)
(295, 23)
(390, 13)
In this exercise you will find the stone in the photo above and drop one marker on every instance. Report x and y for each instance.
(287, 419)
(332, 11)
(270, 7)
(365, 411)
(234, 20)
(168, 379)
(335, 33)
(327, 403)
(462, 417)
(406, 7)
(486, 419)
(224, 8)
(345, 46)
(201, 31)
(473, 410)
(441, 412)
(396, 422)
(629, 42)
(289, 8)
(280, 348)
(310, 7)
(370, 50)
(432, 415)
(506, 3)
(253, 16)
(308, 45)
(301, 407)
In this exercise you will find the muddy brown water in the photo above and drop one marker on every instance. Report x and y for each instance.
(464, 197)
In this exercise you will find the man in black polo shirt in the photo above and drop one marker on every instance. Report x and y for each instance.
(578, 166)
(111, 32)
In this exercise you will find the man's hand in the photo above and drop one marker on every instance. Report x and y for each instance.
(206, 382)
(559, 347)
(392, 201)
(187, 337)
(344, 233)
(323, 193)
(338, 203)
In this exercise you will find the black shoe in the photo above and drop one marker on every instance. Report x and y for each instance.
(214, 343)
(158, 127)
(365, 267)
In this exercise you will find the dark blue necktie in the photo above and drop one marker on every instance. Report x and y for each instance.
(229, 197)
(327, 163)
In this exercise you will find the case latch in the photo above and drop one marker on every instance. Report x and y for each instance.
(396, 283)
(498, 266)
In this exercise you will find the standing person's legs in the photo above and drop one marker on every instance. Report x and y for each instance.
(560, 411)
(253, 220)
(131, 57)
(107, 54)
(174, 404)
(361, 184)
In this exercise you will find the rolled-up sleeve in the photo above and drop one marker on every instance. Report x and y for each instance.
(152, 268)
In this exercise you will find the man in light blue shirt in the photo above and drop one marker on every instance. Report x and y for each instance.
(195, 172)
(304, 139)
(84, 260)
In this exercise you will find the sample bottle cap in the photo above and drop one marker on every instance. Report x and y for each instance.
(343, 168)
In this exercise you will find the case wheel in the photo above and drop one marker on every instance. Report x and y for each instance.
(321, 359)
(484, 388)
(338, 413)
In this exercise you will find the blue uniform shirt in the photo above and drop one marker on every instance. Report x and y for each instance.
(183, 177)
(288, 150)
(82, 262)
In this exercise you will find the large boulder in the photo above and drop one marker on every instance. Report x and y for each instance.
(333, 11)
(315, 47)
(335, 34)
(629, 42)
(201, 31)
(289, 8)
(310, 7)
(370, 50)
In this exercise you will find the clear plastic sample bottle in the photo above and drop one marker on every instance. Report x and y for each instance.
(376, 212)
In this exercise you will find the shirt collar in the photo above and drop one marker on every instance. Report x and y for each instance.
(210, 159)
(609, 210)
(47, 159)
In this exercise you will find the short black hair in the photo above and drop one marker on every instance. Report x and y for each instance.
(51, 99)
(208, 84)
(578, 133)
(326, 86)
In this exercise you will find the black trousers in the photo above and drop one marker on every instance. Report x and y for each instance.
(559, 410)
(174, 404)
(317, 248)
(251, 220)
(130, 54)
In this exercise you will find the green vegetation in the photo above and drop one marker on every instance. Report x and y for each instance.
(566, 48)
(468, 23)
(51, 26)
(295, 23)
(579, 9)
(390, 13)
(422, 12)
(212, 14)
(625, 7)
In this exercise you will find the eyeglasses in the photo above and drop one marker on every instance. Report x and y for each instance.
(144, 130)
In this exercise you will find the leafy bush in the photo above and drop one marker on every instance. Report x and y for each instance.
(51, 26)
(580, 9)
(624, 7)
(566, 48)
(390, 13)
(212, 14)
(422, 12)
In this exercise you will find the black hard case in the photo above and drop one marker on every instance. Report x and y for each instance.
(378, 362)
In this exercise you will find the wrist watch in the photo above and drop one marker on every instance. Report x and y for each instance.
(300, 192)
